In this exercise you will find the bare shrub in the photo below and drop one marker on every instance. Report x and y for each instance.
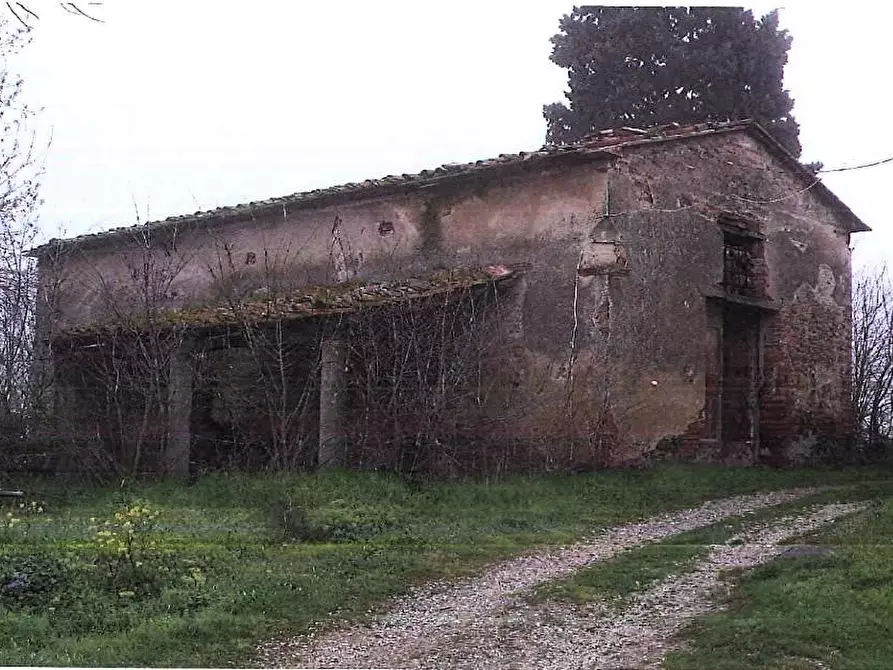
(267, 383)
(420, 384)
(114, 396)
(20, 172)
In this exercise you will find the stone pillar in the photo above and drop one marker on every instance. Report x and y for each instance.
(179, 431)
(333, 404)
(47, 404)
(43, 377)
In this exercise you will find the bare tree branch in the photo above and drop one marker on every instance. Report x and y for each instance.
(873, 356)
(73, 8)
(22, 10)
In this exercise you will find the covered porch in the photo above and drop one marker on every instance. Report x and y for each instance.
(316, 377)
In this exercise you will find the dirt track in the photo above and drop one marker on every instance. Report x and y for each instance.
(483, 623)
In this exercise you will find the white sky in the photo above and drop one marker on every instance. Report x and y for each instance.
(180, 105)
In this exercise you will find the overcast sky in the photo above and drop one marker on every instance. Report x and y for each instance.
(180, 105)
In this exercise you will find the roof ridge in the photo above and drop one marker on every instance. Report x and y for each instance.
(605, 142)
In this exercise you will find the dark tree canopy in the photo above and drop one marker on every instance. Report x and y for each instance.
(646, 66)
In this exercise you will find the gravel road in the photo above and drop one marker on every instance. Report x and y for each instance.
(483, 622)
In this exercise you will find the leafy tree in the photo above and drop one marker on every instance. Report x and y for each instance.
(646, 66)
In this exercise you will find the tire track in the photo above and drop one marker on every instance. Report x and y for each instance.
(434, 624)
(564, 636)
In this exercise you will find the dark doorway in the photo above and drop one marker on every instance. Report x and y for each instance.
(741, 332)
(733, 377)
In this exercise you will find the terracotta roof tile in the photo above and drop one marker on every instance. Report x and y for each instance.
(606, 143)
(310, 301)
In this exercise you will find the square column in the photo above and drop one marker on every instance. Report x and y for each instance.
(333, 404)
(180, 387)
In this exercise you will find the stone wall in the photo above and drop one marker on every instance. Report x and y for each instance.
(678, 192)
(605, 354)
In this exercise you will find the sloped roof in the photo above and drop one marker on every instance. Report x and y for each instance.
(310, 301)
(607, 144)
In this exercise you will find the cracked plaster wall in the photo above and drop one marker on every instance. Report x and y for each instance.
(613, 317)
(804, 406)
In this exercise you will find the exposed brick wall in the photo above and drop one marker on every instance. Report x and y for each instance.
(805, 408)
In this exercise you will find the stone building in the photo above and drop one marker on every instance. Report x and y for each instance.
(679, 291)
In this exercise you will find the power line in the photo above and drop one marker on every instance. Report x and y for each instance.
(816, 182)
(857, 167)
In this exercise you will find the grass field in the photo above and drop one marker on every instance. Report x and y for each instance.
(164, 574)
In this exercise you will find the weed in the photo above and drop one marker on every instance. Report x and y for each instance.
(127, 554)
(339, 520)
(291, 520)
(16, 519)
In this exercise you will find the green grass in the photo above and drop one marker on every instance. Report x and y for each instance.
(613, 581)
(837, 608)
(374, 536)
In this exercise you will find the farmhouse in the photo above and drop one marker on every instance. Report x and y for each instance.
(681, 292)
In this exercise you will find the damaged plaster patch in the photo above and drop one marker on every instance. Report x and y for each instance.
(603, 258)
(799, 246)
(344, 261)
(602, 317)
(823, 291)
(603, 253)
